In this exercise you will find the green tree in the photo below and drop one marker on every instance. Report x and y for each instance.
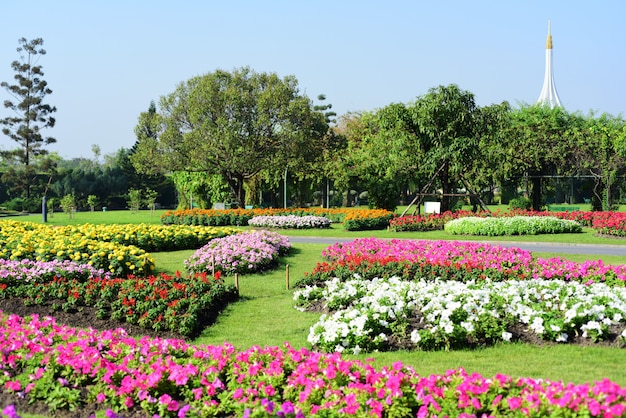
(92, 201)
(134, 199)
(235, 124)
(30, 115)
(599, 151)
(150, 198)
(448, 123)
(68, 204)
(539, 143)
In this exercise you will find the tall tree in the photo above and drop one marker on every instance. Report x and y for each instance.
(235, 124)
(598, 151)
(539, 144)
(30, 115)
(448, 121)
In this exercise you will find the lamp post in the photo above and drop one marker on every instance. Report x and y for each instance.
(285, 190)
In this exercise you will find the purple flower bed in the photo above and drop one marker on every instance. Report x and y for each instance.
(247, 252)
(44, 271)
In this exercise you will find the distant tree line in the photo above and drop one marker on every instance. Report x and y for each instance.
(246, 138)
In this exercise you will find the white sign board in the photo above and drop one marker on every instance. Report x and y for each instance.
(432, 207)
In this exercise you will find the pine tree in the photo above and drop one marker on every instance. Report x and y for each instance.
(29, 114)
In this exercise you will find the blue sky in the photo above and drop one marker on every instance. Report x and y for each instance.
(106, 60)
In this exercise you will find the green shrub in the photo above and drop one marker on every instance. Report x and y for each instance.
(523, 203)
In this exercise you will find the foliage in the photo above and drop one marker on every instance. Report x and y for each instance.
(134, 199)
(597, 152)
(92, 201)
(513, 225)
(172, 379)
(520, 203)
(31, 116)
(234, 124)
(246, 252)
(68, 204)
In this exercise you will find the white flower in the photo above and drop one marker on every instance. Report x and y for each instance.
(562, 338)
(416, 337)
(506, 336)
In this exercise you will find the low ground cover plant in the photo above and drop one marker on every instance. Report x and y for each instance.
(514, 225)
(246, 252)
(387, 314)
(69, 368)
(290, 222)
(453, 260)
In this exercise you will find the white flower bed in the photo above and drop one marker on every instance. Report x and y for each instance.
(515, 225)
(444, 314)
(290, 221)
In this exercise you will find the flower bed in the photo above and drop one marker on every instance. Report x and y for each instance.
(353, 219)
(161, 303)
(246, 252)
(514, 225)
(367, 219)
(118, 249)
(290, 222)
(384, 314)
(609, 223)
(14, 272)
(427, 222)
(453, 260)
(69, 368)
(242, 216)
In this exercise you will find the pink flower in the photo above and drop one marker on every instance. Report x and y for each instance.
(14, 385)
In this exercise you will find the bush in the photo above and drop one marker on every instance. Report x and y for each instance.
(523, 203)
(20, 204)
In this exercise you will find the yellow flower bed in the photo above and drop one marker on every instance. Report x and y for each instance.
(120, 249)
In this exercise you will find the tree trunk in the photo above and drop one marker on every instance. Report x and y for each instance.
(236, 186)
(536, 193)
(444, 177)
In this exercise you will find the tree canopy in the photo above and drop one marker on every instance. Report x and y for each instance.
(29, 114)
(235, 124)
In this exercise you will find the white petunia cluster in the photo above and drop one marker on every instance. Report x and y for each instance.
(440, 313)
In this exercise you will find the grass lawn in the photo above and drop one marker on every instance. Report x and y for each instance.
(265, 314)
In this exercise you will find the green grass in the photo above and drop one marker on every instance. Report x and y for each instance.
(265, 313)
(265, 316)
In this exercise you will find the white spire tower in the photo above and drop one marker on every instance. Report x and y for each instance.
(549, 96)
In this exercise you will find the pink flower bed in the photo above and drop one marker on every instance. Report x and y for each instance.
(175, 379)
(472, 258)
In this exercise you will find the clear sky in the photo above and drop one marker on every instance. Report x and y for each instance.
(106, 60)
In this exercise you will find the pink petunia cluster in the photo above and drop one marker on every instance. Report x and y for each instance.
(475, 256)
(172, 378)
